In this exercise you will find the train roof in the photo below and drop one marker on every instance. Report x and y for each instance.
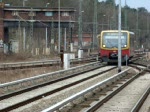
(117, 31)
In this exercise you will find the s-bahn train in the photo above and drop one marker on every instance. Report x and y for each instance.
(109, 45)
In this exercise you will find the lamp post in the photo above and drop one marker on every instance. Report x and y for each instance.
(47, 4)
(111, 22)
(119, 38)
(147, 30)
(80, 25)
(24, 30)
(24, 2)
(125, 14)
(96, 9)
(114, 16)
(147, 23)
(137, 27)
(103, 21)
(59, 26)
(108, 23)
(95, 25)
(71, 42)
(46, 30)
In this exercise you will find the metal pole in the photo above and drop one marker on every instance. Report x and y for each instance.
(108, 23)
(65, 41)
(147, 24)
(59, 26)
(46, 31)
(71, 42)
(70, 26)
(137, 27)
(126, 61)
(24, 38)
(52, 35)
(114, 16)
(125, 20)
(119, 38)
(20, 39)
(147, 30)
(31, 32)
(47, 4)
(71, 35)
(46, 38)
(24, 30)
(95, 24)
(24, 2)
(80, 25)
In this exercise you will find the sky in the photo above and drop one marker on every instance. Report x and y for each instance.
(136, 3)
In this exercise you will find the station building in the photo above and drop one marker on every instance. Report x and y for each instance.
(24, 28)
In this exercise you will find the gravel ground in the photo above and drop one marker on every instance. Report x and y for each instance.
(143, 61)
(5, 103)
(146, 105)
(17, 74)
(12, 75)
(125, 100)
(55, 98)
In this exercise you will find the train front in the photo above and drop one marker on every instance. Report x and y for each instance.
(109, 46)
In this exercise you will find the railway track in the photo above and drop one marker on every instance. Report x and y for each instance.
(32, 64)
(32, 90)
(107, 95)
(38, 91)
(18, 85)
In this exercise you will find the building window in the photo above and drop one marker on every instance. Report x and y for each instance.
(48, 13)
(65, 14)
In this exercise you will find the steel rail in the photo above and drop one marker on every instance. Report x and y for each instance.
(34, 98)
(135, 59)
(46, 77)
(147, 67)
(82, 93)
(33, 86)
(141, 100)
(97, 105)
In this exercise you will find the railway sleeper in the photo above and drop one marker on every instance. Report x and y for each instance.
(94, 99)
(119, 82)
(86, 104)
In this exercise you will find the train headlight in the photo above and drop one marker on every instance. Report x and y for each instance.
(125, 45)
(104, 45)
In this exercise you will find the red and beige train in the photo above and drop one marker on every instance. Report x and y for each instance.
(109, 45)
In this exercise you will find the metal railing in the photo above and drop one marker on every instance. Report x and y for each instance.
(45, 62)
(31, 63)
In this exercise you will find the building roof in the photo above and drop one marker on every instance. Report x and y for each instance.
(16, 8)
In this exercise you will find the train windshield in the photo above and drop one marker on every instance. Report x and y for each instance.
(110, 40)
